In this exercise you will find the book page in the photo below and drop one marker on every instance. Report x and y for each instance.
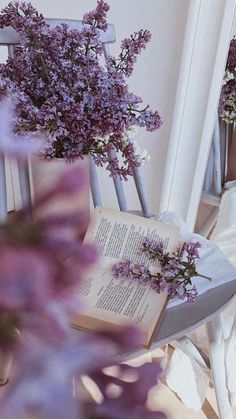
(119, 236)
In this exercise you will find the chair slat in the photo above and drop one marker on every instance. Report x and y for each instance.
(11, 49)
(118, 185)
(209, 223)
(24, 180)
(216, 157)
(222, 147)
(94, 185)
(8, 36)
(3, 190)
(141, 194)
(136, 173)
(228, 140)
(112, 155)
(23, 168)
(209, 172)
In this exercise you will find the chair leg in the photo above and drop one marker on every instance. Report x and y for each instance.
(191, 349)
(217, 358)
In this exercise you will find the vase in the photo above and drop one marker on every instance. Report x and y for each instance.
(45, 173)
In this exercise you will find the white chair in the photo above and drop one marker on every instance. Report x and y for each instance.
(216, 171)
(177, 321)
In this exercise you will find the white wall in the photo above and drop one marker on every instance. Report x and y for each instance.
(234, 28)
(156, 74)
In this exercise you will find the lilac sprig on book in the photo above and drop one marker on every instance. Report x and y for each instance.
(174, 273)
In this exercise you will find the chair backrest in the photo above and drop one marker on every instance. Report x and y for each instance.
(217, 167)
(9, 37)
(217, 171)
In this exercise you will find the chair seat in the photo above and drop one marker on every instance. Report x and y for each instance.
(183, 318)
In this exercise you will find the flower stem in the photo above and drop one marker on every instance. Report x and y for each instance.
(204, 276)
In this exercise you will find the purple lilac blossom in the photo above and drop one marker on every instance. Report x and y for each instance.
(227, 104)
(192, 294)
(62, 91)
(43, 383)
(153, 247)
(35, 277)
(130, 49)
(192, 249)
(174, 273)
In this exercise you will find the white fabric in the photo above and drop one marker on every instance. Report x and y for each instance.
(224, 235)
(192, 395)
(193, 391)
(212, 263)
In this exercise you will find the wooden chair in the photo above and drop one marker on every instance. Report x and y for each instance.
(179, 320)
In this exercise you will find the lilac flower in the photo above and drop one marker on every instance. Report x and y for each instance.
(130, 403)
(172, 266)
(231, 60)
(192, 294)
(151, 246)
(173, 274)
(97, 17)
(192, 249)
(62, 91)
(130, 48)
(43, 384)
(122, 269)
(177, 289)
(36, 280)
(16, 145)
(159, 284)
(227, 105)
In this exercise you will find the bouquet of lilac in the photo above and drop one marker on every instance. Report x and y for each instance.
(62, 90)
(227, 107)
(174, 272)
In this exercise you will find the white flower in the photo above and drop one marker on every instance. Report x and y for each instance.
(136, 148)
(106, 139)
(101, 142)
(141, 155)
(228, 76)
(144, 156)
(131, 131)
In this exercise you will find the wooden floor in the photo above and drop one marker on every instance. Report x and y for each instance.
(161, 398)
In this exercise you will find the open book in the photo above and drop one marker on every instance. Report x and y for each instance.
(111, 302)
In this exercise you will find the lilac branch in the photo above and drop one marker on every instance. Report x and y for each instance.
(174, 273)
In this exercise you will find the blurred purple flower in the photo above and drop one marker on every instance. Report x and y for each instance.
(42, 262)
(44, 379)
(11, 143)
(130, 402)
